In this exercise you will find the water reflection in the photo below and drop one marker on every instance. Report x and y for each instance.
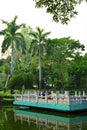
(50, 122)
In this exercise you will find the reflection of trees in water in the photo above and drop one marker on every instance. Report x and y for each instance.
(3, 117)
(6, 119)
(17, 121)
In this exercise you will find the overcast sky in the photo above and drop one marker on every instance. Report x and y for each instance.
(28, 14)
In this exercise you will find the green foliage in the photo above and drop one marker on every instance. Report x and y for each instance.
(1, 86)
(11, 35)
(60, 62)
(5, 67)
(60, 53)
(78, 71)
(20, 80)
(64, 47)
(39, 39)
(23, 61)
(12, 39)
(61, 10)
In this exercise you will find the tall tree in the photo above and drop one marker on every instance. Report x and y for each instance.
(39, 39)
(62, 10)
(78, 72)
(12, 39)
(60, 52)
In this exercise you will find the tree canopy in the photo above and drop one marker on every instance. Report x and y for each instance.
(61, 10)
(12, 39)
(61, 62)
(60, 53)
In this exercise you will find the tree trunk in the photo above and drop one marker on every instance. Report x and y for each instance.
(12, 61)
(40, 70)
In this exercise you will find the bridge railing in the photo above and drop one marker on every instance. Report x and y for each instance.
(54, 97)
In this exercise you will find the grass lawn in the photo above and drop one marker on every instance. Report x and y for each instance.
(6, 95)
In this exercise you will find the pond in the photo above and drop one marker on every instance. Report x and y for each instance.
(15, 118)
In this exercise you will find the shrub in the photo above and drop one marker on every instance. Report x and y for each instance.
(20, 80)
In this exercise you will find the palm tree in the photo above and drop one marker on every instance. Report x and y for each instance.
(39, 39)
(12, 39)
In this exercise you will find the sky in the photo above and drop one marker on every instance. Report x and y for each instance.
(28, 14)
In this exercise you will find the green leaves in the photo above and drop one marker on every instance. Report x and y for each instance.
(12, 39)
(60, 54)
(11, 35)
(61, 10)
(39, 38)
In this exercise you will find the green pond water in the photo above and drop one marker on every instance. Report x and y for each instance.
(16, 118)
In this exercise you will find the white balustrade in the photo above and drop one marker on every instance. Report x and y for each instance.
(53, 98)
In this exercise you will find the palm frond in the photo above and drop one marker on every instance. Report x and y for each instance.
(46, 34)
(5, 44)
(19, 35)
(33, 34)
(5, 22)
(40, 31)
(33, 47)
(15, 18)
(3, 32)
(20, 42)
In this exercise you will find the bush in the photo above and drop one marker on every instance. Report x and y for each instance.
(20, 80)
(1, 86)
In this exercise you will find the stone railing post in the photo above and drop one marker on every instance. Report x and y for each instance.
(22, 97)
(83, 93)
(67, 96)
(79, 93)
(76, 93)
(28, 95)
(80, 98)
(57, 94)
(37, 94)
(46, 97)
(76, 97)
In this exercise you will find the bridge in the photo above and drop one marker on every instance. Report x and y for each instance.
(55, 100)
